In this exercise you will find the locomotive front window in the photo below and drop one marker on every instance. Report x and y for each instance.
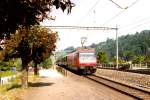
(87, 57)
(87, 54)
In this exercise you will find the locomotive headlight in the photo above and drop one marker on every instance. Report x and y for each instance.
(81, 67)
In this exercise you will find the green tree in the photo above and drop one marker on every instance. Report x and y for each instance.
(36, 45)
(102, 57)
(127, 55)
(138, 59)
(69, 49)
(120, 61)
(14, 13)
(43, 44)
(147, 59)
(47, 63)
(129, 46)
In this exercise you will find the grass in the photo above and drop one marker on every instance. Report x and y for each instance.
(7, 73)
(9, 91)
(6, 90)
(13, 83)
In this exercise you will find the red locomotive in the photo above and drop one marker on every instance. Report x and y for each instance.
(82, 60)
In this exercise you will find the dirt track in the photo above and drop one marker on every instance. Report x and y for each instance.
(58, 87)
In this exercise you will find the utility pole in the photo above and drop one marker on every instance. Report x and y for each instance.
(116, 47)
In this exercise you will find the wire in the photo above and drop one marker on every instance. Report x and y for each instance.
(141, 20)
(83, 18)
(114, 17)
(81, 27)
(147, 22)
(124, 9)
(117, 4)
(133, 3)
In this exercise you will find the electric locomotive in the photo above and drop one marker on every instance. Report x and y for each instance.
(82, 60)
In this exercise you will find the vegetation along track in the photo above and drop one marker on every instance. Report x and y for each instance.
(125, 89)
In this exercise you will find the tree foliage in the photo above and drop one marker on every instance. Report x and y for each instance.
(69, 49)
(147, 59)
(14, 13)
(130, 46)
(25, 43)
(35, 45)
(138, 59)
(102, 57)
(8, 65)
(47, 63)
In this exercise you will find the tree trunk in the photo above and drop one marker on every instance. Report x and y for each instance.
(24, 76)
(36, 71)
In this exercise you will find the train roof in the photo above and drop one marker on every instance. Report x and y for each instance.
(85, 49)
(82, 50)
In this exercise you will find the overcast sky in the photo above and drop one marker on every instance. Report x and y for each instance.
(130, 16)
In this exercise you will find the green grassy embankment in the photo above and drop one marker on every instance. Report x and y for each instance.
(13, 90)
(7, 73)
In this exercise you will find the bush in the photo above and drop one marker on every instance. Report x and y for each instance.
(7, 73)
(124, 67)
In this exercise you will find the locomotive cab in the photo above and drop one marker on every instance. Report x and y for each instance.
(82, 60)
(87, 62)
(87, 59)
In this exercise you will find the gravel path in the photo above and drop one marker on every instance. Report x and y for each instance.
(54, 86)
(139, 80)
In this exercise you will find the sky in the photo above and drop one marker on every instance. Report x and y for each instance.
(129, 16)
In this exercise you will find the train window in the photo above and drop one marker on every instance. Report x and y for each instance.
(87, 54)
(87, 57)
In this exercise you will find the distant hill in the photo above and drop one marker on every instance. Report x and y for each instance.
(129, 45)
(137, 44)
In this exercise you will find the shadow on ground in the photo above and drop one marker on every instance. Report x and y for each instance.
(39, 84)
(14, 86)
(63, 70)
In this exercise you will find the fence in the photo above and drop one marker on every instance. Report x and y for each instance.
(5, 80)
(124, 66)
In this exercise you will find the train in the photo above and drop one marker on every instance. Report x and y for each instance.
(82, 60)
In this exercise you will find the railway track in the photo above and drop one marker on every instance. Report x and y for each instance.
(139, 71)
(134, 92)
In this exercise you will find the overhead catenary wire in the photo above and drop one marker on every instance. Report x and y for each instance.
(112, 18)
(94, 6)
(117, 5)
(136, 22)
(81, 27)
(133, 3)
(123, 10)
(83, 17)
(96, 28)
(135, 27)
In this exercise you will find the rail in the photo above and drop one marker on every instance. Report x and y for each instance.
(134, 92)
